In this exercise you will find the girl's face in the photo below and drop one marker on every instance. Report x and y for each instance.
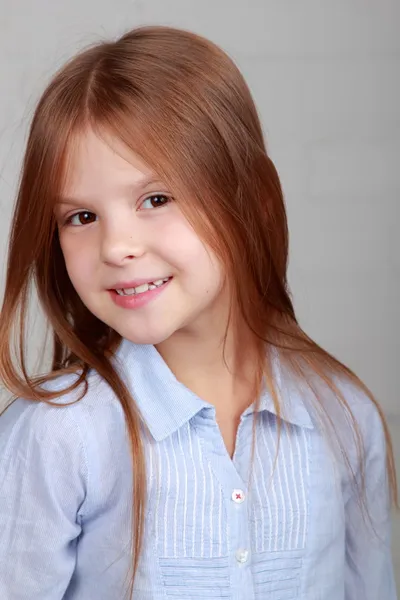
(133, 258)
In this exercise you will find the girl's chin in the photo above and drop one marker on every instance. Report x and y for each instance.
(152, 338)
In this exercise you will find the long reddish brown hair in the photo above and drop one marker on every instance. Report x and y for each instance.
(180, 103)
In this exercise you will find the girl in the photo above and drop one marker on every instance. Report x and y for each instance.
(190, 440)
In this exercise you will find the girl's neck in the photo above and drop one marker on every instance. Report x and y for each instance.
(222, 374)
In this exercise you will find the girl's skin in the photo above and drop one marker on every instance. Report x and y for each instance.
(115, 228)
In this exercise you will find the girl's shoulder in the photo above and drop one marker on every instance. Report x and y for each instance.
(353, 421)
(334, 401)
(82, 439)
(358, 410)
(90, 406)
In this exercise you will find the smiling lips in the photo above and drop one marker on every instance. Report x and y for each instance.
(140, 289)
(136, 294)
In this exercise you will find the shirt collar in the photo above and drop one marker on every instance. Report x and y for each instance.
(292, 402)
(166, 404)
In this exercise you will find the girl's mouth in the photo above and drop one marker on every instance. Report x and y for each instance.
(141, 295)
(140, 289)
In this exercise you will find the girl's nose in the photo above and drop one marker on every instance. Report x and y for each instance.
(119, 245)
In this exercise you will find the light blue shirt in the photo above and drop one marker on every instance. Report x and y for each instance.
(296, 533)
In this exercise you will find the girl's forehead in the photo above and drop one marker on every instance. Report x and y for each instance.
(89, 145)
(92, 155)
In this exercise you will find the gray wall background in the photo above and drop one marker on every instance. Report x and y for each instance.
(325, 75)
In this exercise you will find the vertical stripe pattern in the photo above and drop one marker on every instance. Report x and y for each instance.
(279, 511)
(193, 524)
(189, 514)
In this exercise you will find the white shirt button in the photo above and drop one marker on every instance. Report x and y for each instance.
(238, 496)
(242, 555)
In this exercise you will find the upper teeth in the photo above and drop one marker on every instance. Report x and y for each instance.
(152, 285)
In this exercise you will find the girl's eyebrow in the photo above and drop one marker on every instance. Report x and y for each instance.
(140, 185)
(149, 180)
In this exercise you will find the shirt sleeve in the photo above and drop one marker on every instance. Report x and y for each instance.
(369, 567)
(43, 481)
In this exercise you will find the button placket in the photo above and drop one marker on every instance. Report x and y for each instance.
(233, 476)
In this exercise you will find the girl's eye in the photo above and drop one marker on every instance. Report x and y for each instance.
(155, 201)
(81, 218)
